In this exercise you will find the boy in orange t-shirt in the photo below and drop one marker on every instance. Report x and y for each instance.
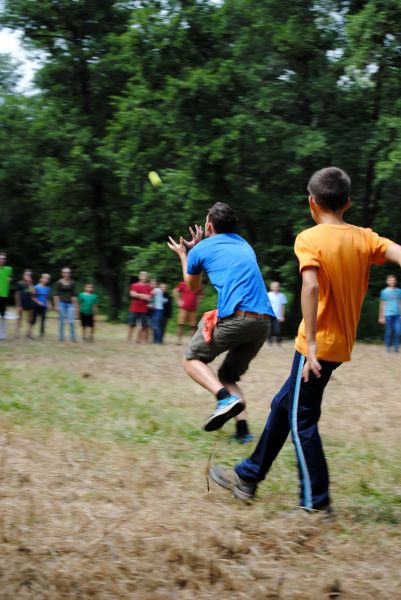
(334, 259)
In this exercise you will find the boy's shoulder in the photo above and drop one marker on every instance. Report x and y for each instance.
(320, 232)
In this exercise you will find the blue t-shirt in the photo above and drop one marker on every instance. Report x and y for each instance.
(391, 298)
(233, 270)
(42, 293)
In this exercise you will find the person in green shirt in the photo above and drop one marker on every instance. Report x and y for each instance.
(5, 279)
(88, 303)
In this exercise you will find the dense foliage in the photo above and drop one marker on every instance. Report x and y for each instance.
(238, 100)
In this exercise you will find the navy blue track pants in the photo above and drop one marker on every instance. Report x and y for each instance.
(295, 408)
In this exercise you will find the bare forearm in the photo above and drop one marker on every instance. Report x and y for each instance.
(309, 303)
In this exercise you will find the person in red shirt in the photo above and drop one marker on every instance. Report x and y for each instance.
(141, 294)
(187, 302)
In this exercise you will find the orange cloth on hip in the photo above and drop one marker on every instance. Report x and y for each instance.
(210, 319)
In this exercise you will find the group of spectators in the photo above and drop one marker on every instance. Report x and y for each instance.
(33, 301)
(151, 308)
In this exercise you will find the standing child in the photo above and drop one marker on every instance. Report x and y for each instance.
(187, 302)
(157, 313)
(167, 307)
(88, 303)
(41, 300)
(334, 261)
(278, 301)
(24, 294)
(389, 313)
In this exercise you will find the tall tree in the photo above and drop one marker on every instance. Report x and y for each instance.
(74, 188)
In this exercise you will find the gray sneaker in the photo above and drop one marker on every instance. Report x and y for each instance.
(243, 490)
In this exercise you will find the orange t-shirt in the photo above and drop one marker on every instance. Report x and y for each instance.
(343, 255)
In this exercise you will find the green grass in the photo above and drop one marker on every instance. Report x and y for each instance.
(68, 397)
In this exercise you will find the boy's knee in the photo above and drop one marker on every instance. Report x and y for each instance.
(185, 363)
(228, 374)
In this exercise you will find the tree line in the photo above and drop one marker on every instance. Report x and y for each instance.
(237, 101)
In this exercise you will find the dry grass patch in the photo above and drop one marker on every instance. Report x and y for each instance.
(87, 512)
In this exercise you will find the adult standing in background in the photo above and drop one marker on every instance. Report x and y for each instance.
(65, 302)
(389, 313)
(141, 295)
(6, 273)
(278, 301)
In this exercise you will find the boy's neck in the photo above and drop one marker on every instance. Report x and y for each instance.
(330, 218)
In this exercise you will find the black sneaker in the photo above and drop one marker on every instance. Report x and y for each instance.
(243, 490)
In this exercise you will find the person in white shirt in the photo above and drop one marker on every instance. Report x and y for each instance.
(278, 301)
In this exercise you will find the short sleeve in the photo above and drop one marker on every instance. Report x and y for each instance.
(306, 253)
(283, 299)
(382, 295)
(194, 262)
(379, 247)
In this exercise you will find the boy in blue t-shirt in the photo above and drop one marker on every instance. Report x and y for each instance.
(41, 300)
(389, 313)
(243, 309)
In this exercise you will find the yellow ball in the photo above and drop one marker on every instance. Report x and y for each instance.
(154, 178)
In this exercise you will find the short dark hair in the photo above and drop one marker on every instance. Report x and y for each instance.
(222, 217)
(330, 187)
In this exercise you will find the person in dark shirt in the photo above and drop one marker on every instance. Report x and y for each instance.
(65, 302)
(24, 294)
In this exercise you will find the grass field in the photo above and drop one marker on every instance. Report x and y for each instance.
(104, 495)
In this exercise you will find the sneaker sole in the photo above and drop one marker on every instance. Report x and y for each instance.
(217, 421)
(231, 487)
(221, 482)
(240, 495)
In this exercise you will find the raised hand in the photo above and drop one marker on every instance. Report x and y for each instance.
(178, 248)
(196, 235)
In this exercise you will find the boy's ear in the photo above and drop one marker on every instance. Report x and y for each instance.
(312, 203)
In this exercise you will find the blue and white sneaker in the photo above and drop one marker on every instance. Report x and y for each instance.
(247, 438)
(225, 410)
